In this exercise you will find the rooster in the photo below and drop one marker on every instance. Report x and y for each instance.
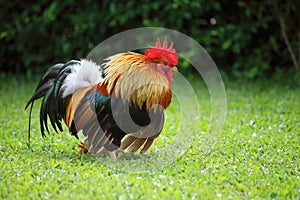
(118, 105)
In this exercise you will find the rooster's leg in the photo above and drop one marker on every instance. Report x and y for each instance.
(112, 154)
(83, 148)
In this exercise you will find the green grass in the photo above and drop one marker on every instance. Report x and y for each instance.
(255, 157)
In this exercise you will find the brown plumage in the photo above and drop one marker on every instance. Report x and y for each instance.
(123, 110)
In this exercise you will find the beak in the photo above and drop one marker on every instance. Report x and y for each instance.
(174, 69)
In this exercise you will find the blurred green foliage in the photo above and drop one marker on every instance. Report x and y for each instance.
(243, 38)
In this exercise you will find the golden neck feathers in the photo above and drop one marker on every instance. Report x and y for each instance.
(137, 80)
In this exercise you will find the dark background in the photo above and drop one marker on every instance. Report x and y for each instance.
(245, 38)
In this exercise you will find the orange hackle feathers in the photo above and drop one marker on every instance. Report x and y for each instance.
(136, 80)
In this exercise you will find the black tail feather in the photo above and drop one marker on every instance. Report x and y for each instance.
(53, 104)
(45, 83)
(29, 124)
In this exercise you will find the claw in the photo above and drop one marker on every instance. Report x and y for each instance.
(82, 149)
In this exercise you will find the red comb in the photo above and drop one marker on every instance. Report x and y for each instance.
(163, 51)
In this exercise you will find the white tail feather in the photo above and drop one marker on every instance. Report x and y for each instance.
(82, 75)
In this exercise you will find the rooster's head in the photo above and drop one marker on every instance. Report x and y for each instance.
(162, 54)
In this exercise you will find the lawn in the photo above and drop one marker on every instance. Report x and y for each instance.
(255, 157)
